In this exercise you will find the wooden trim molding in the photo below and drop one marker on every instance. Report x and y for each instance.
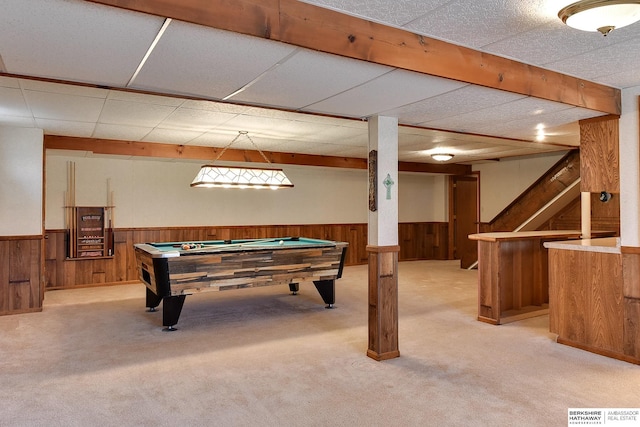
(629, 250)
(33, 237)
(301, 24)
(383, 249)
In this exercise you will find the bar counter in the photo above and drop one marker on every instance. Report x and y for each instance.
(590, 306)
(513, 271)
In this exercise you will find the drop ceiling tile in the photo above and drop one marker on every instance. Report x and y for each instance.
(623, 80)
(134, 113)
(357, 152)
(466, 99)
(218, 139)
(601, 62)
(392, 90)
(255, 125)
(308, 77)
(13, 103)
(344, 135)
(396, 13)
(195, 119)
(20, 122)
(221, 107)
(553, 42)
(45, 105)
(145, 98)
(9, 82)
(527, 125)
(196, 60)
(498, 115)
(65, 89)
(74, 40)
(66, 128)
(171, 136)
(479, 23)
(121, 132)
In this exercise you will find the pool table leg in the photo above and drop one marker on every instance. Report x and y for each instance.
(153, 300)
(294, 288)
(171, 308)
(326, 289)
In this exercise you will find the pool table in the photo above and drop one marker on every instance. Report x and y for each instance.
(173, 270)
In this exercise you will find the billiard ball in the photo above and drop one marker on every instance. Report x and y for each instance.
(281, 242)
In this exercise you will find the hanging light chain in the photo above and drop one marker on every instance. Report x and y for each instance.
(245, 133)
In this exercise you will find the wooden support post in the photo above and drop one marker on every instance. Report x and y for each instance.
(383, 246)
(383, 302)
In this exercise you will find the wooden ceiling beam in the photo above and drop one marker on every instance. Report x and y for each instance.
(193, 152)
(313, 27)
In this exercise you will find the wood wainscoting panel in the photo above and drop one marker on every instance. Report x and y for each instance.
(21, 288)
(419, 241)
(632, 328)
(599, 155)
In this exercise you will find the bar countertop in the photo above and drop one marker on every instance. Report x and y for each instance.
(515, 235)
(604, 245)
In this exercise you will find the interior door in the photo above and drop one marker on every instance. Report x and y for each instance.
(465, 218)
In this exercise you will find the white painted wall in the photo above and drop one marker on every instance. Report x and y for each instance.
(423, 198)
(20, 181)
(155, 193)
(629, 169)
(501, 182)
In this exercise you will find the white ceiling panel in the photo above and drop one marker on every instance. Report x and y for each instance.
(63, 89)
(9, 82)
(13, 103)
(308, 77)
(621, 56)
(46, 105)
(466, 99)
(120, 132)
(195, 119)
(394, 89)
(396, 13)
(16, 121)
(194, 60)
(526, 128)
(65, 128)
(554, 43)
(494, 118)
(476, 24)
(145, 98)
(74, 40)
(171, 136)
(134, 113)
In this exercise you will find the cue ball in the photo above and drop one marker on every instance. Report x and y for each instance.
(281, 242)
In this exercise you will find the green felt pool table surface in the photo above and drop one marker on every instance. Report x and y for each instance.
(168, 249)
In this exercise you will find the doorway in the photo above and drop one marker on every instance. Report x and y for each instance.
(464, 218)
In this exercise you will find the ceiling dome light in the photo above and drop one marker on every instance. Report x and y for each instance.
(442, 157)
(600, 15)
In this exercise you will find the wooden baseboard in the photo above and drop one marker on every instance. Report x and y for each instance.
(601, 352)
(383, 356)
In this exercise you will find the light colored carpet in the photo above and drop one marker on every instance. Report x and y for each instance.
(263, 357)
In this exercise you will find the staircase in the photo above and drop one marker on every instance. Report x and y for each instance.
(546, 197)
